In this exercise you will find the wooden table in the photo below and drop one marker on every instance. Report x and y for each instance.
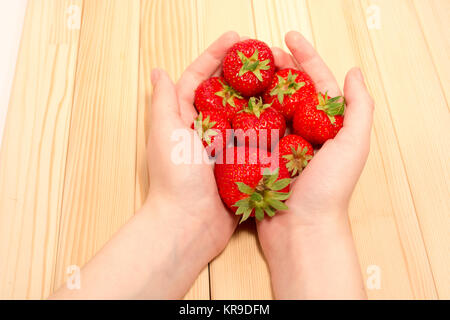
(72, 163)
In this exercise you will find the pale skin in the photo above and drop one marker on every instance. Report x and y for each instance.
(183, 224)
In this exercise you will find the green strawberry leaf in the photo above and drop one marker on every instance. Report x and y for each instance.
(255, 106)
(286, 86)
(241, 210)
(259, 213)
(246, 215)
(244, 188)
(281, 184)
(281, 195)
(276, 204)
(228, 94)
(244, 203)
(253, 64)
(331, 106)
(269, 211)
(256, 197)
(264, 198)
(270, 177)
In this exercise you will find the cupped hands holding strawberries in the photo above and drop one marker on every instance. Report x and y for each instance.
(292, 104)
(261, 99)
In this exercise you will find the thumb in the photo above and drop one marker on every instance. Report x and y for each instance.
(359, 111)
(164, 107)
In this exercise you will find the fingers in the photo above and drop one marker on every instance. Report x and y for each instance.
(164, 109)
(310, 61)
(201, 69)
(282, 59)
(359, 111)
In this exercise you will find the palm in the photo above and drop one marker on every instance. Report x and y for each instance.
(192, 182)
(326, 184)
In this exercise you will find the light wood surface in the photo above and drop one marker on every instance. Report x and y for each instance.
(12, 14)
(72, 161)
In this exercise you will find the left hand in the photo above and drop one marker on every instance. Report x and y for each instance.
(188, 189)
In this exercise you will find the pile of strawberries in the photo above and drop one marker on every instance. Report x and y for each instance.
(253, 96)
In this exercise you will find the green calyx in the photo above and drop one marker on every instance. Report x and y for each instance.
(253, 64)
(286, 86)
(264, 198)
(204, 128)
(297, 160)
(331, 106)
(228, 94)
(255, 106)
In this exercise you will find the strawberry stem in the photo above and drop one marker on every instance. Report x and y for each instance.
(286, 86)
(264, 198)
(297, 160)
(204, 128)
(253, 64)
(255, 106)
(331, 106)
(228, 94)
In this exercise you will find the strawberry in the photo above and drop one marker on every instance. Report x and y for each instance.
(289, 89)
(249, 67)
(320, 119)
(213, 129)
(262, 119)
(215, 94)
(249, 186)
(295, 153)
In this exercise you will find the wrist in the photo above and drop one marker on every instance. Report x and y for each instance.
(306, 259)
(317, 214)
(295, 229)
(190, 236)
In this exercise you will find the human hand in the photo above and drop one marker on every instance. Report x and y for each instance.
(322, 191)
(188, 189)
(303, 244)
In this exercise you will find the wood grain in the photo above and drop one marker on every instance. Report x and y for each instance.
(73, 165)
(421, 120)
(99, 184)
(33, 154)
(274, 19)
(384, 222)
(433, 17)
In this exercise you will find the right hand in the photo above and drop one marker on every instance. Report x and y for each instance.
(321, 194)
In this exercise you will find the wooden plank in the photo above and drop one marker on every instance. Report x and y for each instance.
(399, 211)
(434, 16)
(421, 120)
(33, 153)
(12, 17)
(273, 19)
(99, 186)
(171, 46)
(384, 221)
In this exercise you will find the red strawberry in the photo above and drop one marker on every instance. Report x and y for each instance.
(320, 119)
(214, 130)
(295, 153)
(289, 89)
(262, 119)
(249, 187)
(249, 67)
(215, 94)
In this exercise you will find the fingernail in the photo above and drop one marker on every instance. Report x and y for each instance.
(155, 75)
